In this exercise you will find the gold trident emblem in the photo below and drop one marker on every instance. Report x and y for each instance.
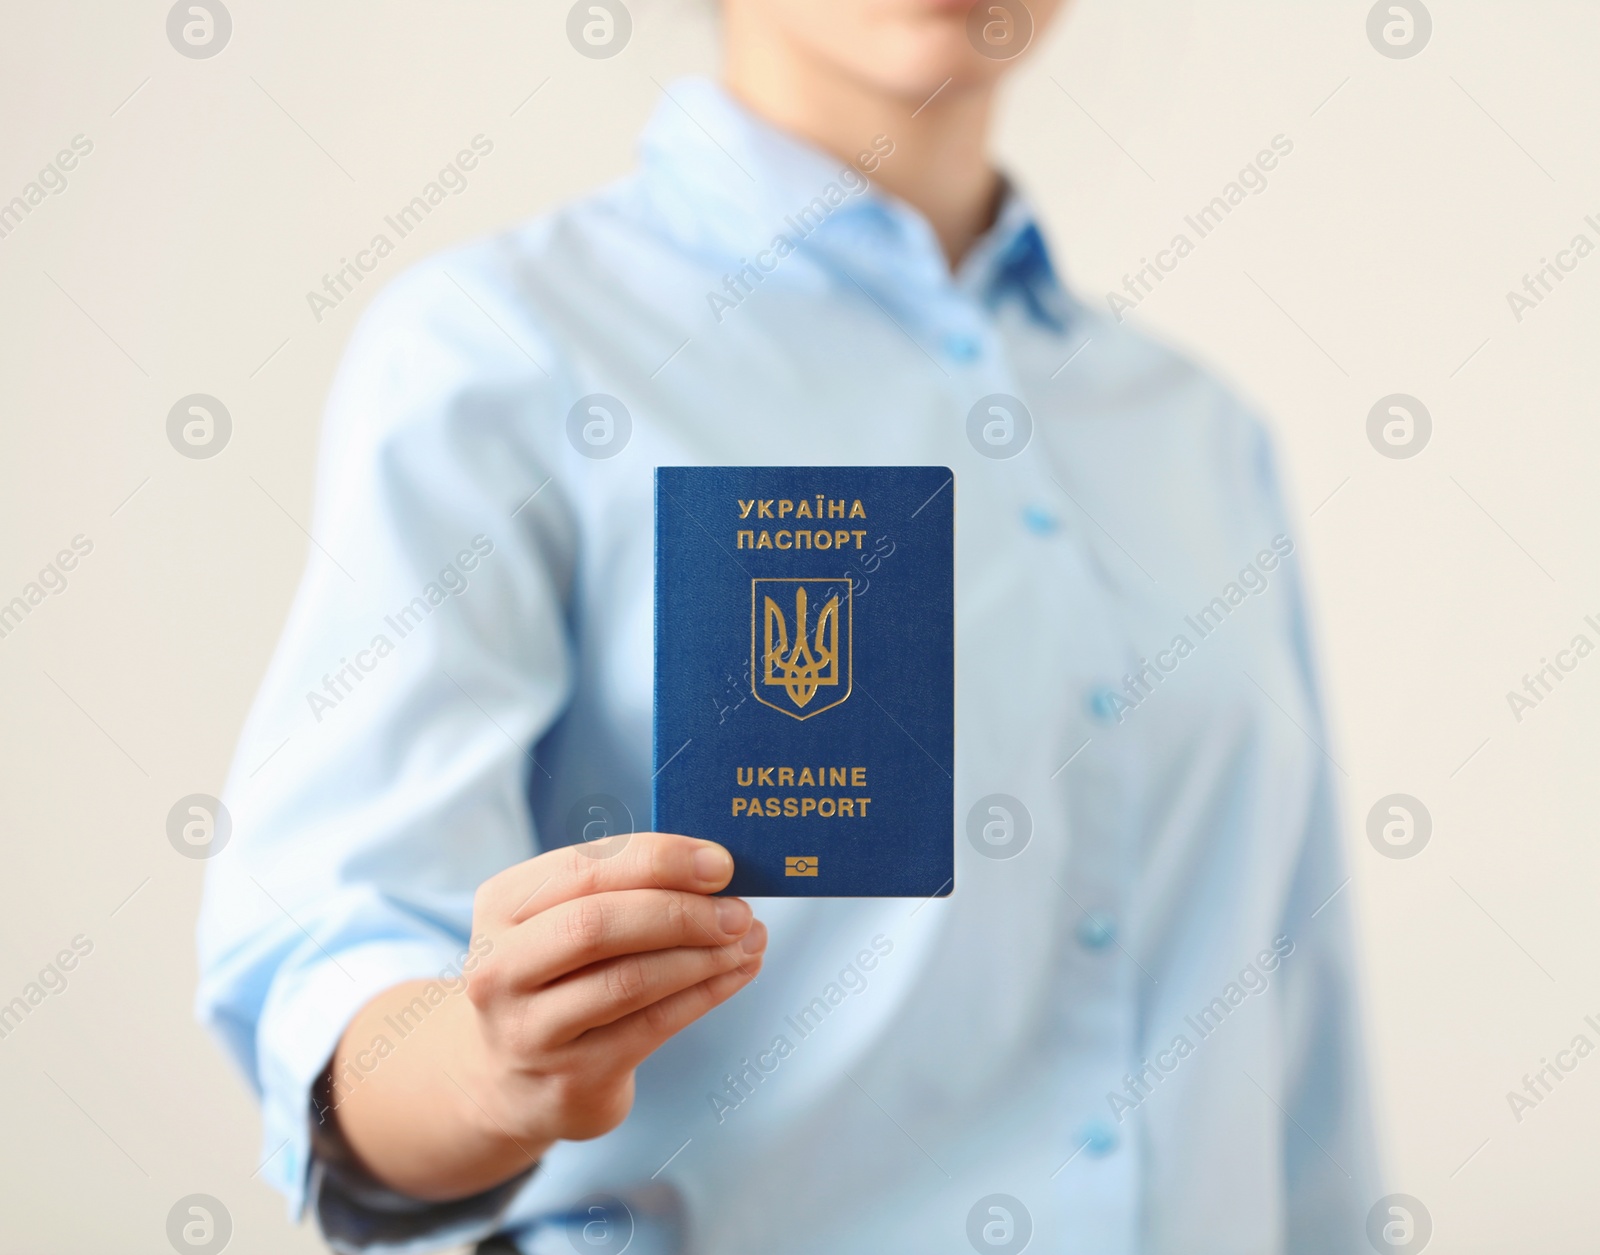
(810, 659)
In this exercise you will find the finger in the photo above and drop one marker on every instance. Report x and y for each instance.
(606, 925)
(605, 992)
(642, 860)
(632, 1039)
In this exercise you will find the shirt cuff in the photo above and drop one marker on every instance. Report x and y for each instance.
(305, 1015)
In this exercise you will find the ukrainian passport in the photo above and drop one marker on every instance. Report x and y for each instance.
(805, 674)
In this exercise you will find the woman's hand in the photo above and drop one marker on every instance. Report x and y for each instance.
(591, 956)
(596, 962)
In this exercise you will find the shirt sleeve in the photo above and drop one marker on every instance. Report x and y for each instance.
(381, 775)
(1331, 1164)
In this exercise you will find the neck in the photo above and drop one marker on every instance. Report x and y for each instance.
(939, 164)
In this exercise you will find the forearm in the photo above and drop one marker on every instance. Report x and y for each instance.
(402, 1096)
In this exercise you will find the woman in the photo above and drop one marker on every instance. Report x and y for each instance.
(1134, 1032)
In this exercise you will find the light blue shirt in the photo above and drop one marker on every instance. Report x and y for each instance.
(1134, 1017)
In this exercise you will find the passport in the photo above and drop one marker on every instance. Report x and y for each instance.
(805, 674)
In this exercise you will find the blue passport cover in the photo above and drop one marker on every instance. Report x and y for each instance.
(805, 674)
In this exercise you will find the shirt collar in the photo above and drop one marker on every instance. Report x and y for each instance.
(729, 183)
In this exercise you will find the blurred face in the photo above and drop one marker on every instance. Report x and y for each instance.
(905, 47)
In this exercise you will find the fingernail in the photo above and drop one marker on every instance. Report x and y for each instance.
(733, 916)
(712, 863)
(755, 939)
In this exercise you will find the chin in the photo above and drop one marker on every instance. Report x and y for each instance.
(914, 60)
(905, 47)
(908, 48)
(933, 61)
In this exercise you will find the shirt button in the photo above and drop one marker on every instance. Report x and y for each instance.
(962, 348)
(1103, 703)
(1097, 1138)
(1095, 934)
(1039, 521)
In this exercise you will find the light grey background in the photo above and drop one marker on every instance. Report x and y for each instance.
(1377, 260)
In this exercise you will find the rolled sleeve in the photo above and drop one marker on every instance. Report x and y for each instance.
(381, 775)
